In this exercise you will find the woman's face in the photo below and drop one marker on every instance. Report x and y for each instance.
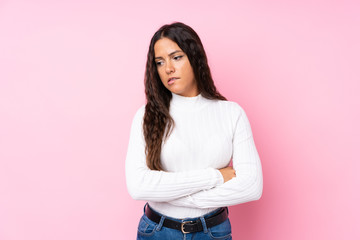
(174, 68)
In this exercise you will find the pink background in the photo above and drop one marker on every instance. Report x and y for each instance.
(71, 79)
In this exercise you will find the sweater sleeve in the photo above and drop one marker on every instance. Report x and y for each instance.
(152, 185)
(246, 186)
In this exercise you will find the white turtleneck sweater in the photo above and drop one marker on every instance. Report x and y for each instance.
(206, 136)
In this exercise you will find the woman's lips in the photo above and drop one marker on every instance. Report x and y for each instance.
(171, 81)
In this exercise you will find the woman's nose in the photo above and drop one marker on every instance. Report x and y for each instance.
(169, 68)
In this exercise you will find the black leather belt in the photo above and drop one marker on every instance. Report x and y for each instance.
(189, 226)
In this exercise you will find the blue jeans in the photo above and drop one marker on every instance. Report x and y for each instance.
(148, 229)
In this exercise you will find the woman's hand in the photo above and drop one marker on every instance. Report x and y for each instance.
(228, 173)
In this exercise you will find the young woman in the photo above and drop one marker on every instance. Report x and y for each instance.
(182, 141)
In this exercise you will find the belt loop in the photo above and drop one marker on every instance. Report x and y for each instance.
(204, 224)
(145, 207)
(158, 228)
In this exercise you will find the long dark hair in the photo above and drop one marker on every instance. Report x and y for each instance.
(158, 123)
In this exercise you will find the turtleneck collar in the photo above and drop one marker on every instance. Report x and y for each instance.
(188, 103)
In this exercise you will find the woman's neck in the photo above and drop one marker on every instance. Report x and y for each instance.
(187, 103)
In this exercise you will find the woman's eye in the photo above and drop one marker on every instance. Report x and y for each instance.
(158, 63)
(178, 57)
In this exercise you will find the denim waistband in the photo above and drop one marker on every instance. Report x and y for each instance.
(188, 219)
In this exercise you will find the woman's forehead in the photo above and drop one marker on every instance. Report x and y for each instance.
(165, 47)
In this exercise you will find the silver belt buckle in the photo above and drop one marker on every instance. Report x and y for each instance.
(182, 226)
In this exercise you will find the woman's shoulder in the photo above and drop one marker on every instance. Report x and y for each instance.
(140, 110)
(230, 106)
(139, 114)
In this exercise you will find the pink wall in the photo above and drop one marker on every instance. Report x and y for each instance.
(71, 79)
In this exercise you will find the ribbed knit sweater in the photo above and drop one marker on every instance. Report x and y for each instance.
(207, 135)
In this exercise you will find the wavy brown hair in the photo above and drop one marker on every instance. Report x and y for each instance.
(158, 123)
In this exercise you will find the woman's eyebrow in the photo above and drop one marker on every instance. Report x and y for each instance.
(170, 54)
